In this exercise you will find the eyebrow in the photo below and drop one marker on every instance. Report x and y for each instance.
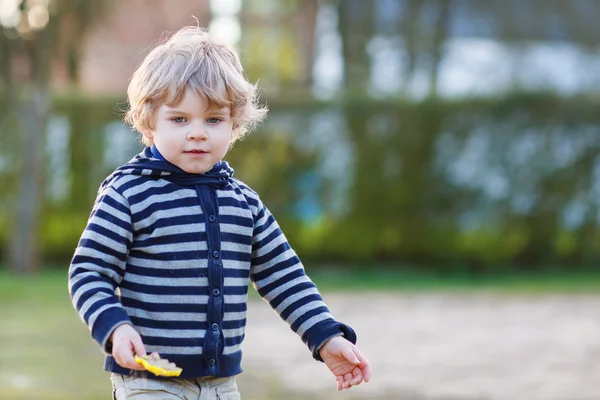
(220, 111)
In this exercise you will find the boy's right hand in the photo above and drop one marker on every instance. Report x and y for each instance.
(127, 342)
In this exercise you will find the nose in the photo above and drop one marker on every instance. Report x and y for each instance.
(197, 132)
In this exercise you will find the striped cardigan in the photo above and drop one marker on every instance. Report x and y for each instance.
(173, 253)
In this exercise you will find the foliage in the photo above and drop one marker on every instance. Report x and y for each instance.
(481, 183)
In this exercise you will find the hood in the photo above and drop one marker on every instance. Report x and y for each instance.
(150, 163)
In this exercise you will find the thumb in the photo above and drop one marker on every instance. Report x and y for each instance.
(350, 356)
(138, 346)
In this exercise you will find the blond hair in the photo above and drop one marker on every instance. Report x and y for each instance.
(192, 59)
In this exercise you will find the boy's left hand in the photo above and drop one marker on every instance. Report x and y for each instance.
(344, 360)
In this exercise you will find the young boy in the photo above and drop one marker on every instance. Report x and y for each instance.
(173, 239)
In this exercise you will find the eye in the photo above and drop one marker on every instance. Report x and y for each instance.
(178, 120)
(213, 120)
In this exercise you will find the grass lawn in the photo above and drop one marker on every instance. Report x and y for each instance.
(47, 352)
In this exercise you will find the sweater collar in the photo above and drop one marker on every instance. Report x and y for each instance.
(152, 164)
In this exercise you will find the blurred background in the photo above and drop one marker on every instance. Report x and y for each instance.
(435, 163)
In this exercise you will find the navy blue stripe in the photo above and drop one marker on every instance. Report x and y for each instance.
(236, 290)
(162, 324)
(166, 205)
(169, 239)
(236, 220)
(170, 256)
(236, 238)
(101, 214)
(278, 250)
(164, 307)
(236, 255)
(236, 324)
(157, 190)
(236, 273)
(112, 235)
(79, 261)
(267, 239)
(91, 293)
(237, 307)
(308, 315)
(226, 201)
(99, 247)
(88, 279)
(291, 291)
(290, 262)
(172, 341)
(181, 220)
(167, 273)
(97, 305)
(234, 341)
(115, 204)
(297, 304)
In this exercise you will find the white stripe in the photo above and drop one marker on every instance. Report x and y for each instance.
(171, 264)
(172, 333)
(278, 275)
(106, 241)
(259, 237)
(89, 287)
(235, 298)
(286, 255)
(163, 197)
(237, 229)
(167, 281)
(303, 310)
(230, 246)
(186, 350)
(99, 311)
(235, 211)
(295, 297)
(171, 247)
(309, 323)
(266, 248)
(166, 316)
(165, 298)
(90, 252)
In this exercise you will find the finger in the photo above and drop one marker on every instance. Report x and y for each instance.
(358, 377)
(349, 355)
(138, 346)
(339, 380)
(364, 365)
(128, 361)
(348, 380)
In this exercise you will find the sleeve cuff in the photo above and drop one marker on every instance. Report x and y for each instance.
(325, 330)
(106, 323)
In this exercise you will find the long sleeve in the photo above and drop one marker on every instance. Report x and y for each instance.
(98, 266)
(280, 279)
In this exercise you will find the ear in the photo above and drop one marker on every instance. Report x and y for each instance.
(148, 134)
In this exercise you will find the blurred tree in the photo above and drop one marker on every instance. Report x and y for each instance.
(34, 35)
(280, 39)
(356, 29)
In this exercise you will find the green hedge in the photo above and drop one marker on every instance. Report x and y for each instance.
(419, 179)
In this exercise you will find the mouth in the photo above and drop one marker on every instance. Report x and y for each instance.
(196, 152)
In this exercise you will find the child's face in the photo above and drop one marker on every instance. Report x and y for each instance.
(190, 135)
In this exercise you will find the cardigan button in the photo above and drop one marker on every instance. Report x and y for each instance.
(216, 292)
(212, 361)
(215, 327)
(215, 254)
(212, 218)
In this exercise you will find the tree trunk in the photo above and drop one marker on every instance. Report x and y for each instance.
(24, 254)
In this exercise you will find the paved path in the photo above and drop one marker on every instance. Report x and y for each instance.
(478, 346)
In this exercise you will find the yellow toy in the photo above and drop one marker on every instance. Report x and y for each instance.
(158, 366)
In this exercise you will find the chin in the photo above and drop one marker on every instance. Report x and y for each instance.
(195, 170)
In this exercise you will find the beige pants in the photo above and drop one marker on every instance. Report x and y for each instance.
(130, 387)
